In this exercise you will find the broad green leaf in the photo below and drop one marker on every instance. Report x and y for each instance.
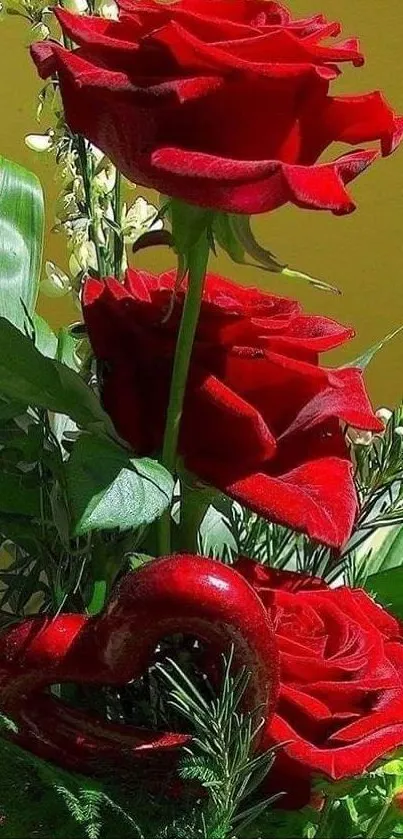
(363, 360)
(19, 529)
(387, 587)
(383, 551)
(215, 533)
(10, 409)
(45, 338)
(29, 377)
(15, 497)
(21, 240)
(66, 346)
(108, 489)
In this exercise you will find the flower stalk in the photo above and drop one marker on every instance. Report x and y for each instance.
(118, 243)
(86, 165)
(197, 266)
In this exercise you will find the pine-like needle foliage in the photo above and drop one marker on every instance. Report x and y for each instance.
(222, 754)
(378, 471)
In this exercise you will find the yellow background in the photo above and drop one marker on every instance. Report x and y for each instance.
(362, 254)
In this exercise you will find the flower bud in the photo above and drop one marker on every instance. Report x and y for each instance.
(104, 181)
(139, 219)
(78, 7)
(39, 142)
(357, 437)
(83, 256)
(399, 431)
(42, 31)
(384, 414)
(109, 9)
(56, 282)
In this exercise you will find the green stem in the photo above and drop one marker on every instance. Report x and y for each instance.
(86, 171)
(118, 244)
(322, 831)
(379, 819)
(194, 506)
(105, 567)
(197, 265)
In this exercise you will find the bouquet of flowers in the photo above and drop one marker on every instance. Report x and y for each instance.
(201, 523)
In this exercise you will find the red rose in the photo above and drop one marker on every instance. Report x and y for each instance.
(341, 679)
(261, 417)
(223, 103)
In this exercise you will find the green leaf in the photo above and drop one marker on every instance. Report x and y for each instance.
(29, 377)
(215, 534)
(21, 240)
(108, 489)
(66, 347)
(45, 338)
(383, 551)
(15, 497)
(387, 587)
(20, 530)
(10, 409)
(363, 360)
(137, 561)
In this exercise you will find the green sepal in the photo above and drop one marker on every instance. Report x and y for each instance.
(234, 234)
(363, 360)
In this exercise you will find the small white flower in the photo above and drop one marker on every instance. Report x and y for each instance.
(79, 7)
(139, 218)
(40, 142)
(83, 255)
(358, 437)
(109, 9)
(75, 229)
(42, 31)
(399, 431)
(104, 181)
(97, 154)
(56, 283)
(384, 414)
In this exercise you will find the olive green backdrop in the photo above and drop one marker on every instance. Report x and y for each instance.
(362, 254)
